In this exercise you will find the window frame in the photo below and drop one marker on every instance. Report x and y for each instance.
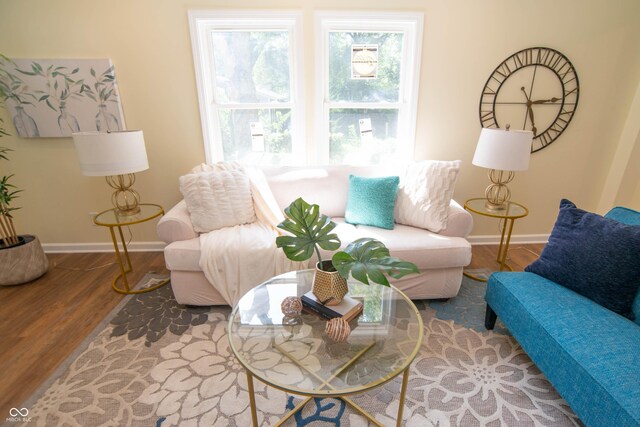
(201, 24)
(409, 23)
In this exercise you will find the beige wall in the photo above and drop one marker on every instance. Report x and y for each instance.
(149, 43)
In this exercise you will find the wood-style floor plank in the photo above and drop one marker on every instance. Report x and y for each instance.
(43, 322)
(46, 320)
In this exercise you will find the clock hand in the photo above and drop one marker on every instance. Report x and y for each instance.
(530, 112)
(533, 124)
(542, 101)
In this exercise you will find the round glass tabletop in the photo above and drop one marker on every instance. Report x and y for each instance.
(112, 218)
(295, 355)
(512, 209)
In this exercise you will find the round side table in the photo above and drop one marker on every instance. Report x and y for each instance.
(113, 219)
(509, 214)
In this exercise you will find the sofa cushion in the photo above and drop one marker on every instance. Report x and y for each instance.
(631, 217)
(218, 199)
(594, 256)
(425, 192)
(326, 186)
(183, 255)
(371, 201)
(589, 353)
(425, 249)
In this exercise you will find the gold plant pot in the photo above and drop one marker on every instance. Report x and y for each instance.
(328, 286)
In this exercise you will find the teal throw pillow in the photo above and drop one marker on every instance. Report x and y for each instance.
(372, 201)
(594, 256)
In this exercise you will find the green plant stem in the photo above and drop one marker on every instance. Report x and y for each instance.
(7, 230)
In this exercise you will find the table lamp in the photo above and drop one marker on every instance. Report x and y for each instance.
(503, 152)
(116, 156)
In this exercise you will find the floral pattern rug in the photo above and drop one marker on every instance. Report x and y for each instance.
(156, 363)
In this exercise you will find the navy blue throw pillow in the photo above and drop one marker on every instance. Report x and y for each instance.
(594, 256)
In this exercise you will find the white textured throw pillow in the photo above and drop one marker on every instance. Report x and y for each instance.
(425, 192)
(218, 199)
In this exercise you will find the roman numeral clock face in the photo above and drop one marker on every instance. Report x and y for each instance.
(535, 89)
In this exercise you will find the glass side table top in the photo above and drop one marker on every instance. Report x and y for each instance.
(513, 209)
(111, 218)
(295, 355)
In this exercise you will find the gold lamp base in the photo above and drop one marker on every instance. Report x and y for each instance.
(498, 194)
(124, 199)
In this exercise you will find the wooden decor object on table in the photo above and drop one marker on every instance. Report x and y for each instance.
(338, 329)
(291, 306)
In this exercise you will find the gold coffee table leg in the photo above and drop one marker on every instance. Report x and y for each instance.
(252, 399)
(403, 393)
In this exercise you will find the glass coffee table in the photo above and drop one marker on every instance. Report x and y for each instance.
(293, 354)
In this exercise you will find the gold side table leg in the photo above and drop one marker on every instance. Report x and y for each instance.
(124, 269)
(403, 393)
(504, 244)
(252, 399)
(126, 251)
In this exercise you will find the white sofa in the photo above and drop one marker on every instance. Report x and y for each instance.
(439, 256)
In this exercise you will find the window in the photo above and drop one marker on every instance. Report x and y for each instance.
(249, 71)
(246, 73)
(368, 99)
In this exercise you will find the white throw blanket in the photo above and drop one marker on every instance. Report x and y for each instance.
(236, 259)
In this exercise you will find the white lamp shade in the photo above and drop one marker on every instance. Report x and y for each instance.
(507, 150)
(111, 153)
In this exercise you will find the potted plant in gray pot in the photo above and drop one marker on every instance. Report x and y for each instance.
(21, 256)
(364, 259)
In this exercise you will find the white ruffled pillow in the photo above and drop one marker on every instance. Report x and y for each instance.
(218, 198)
(425, 192)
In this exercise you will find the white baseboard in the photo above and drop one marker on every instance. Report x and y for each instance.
(516, 238)
(53, 248)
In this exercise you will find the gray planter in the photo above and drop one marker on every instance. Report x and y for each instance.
(22, 263)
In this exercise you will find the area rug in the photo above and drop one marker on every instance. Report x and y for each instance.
(158, 364)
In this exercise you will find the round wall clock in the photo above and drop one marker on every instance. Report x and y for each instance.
(535, 89)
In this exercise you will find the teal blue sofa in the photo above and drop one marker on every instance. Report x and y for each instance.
(590, 354)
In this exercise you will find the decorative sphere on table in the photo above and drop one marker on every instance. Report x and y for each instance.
(338, 329)
(291, 306)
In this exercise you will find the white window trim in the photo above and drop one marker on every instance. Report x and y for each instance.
(200, 23)
(411, 23)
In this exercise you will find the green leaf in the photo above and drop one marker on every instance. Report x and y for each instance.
(43, 98)
(93, 72)
(51, 106)
(368, 259)
(75, 70)
(28, 73)
(310, 231)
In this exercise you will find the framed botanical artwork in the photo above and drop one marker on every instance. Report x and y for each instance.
(56, 97)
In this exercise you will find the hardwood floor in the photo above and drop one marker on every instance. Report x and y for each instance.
(44, 321)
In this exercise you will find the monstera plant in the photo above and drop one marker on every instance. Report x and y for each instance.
(365, 259)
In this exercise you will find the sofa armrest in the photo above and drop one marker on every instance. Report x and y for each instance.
(459, 221)
(176, 224)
